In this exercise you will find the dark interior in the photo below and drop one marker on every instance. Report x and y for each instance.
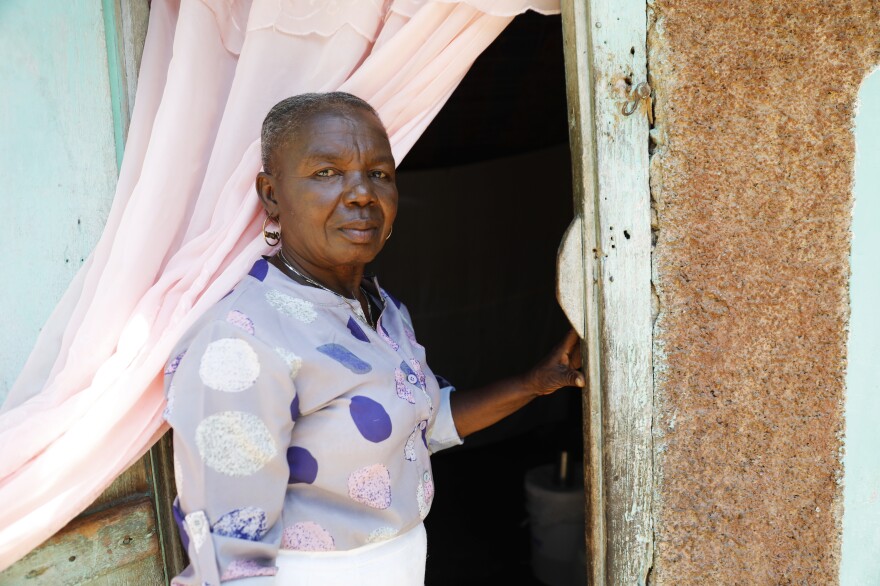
(485, 199)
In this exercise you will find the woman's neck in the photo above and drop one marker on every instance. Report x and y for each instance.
(344, 280)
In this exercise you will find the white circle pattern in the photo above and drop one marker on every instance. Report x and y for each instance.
(381, 534)
(229, 365)
(293, 361)
(235, 443)
(300, 309)
(178, 474)
(169, 401)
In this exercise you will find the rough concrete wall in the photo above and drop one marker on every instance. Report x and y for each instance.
(751, 180)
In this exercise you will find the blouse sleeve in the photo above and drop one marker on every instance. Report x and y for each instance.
(231, 403)
(442, 433)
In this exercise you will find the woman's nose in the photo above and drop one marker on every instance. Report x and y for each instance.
(360, 191)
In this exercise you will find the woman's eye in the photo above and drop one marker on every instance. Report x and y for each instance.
(380, 174)
(326, 173)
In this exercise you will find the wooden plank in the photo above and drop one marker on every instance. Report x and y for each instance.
(577, 47)
(605, 49)
(91, 548)
(125, 29)
(132, 17)
(162, 457)
(134, 482)
(620, 64)
(146, 572)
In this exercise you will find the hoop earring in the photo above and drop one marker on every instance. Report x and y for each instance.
(270, 235)
(390, 233)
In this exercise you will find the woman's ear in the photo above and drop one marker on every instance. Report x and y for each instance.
(265, 185)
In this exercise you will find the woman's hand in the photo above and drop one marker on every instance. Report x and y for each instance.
(561, 368)
(479, 408)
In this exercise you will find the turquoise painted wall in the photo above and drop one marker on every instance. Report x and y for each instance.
(860, 563)
(57, 160)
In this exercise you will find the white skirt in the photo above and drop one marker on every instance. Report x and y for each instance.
(397, 562)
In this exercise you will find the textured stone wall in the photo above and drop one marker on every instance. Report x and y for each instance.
(751, 179)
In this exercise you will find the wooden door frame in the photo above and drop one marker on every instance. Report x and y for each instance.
(605, 60)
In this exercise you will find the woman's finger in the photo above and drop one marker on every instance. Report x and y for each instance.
(560, 377)
(569, 342)
(576, 379)
(562, 352)
(574, 357)
(572, 348)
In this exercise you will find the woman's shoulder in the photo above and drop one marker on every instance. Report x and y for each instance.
(240, 308)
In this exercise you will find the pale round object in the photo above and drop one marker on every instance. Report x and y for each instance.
(371, 486)
(294, 362)
(229, 365)
(381, 534)
(300, 309)
(178, 474)
(235, 443)
(240, 320)
(169, 402)
(307, 536)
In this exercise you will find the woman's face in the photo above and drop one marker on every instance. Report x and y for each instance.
(333, 189)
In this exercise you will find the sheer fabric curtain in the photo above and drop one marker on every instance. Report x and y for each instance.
(185, 223)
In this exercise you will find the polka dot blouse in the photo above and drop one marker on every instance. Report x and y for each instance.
(298, 427)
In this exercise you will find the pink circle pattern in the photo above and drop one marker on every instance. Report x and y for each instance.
(307, 536)
(371, 486)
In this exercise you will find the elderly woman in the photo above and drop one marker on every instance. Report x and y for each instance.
(303, 407)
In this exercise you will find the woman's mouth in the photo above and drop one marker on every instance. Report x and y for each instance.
(360, 234)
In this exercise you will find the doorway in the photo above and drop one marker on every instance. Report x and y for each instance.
(485, 197)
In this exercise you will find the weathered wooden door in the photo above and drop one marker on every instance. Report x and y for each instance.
(69, 73)
(605, 277)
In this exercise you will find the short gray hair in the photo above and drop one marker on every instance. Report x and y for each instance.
(286, 118)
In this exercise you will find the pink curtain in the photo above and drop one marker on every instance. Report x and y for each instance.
(185, 223)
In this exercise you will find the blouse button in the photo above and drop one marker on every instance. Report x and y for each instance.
(413, 379)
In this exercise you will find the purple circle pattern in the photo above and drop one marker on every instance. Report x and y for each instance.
(357, 331)
(294, 408)
(303, 466)
(260, 269)
(370, 418)
(345, 357)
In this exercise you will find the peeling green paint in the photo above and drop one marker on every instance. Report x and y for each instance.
(115, 74)
(59, 150)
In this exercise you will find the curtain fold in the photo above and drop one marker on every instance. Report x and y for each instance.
(185, 223)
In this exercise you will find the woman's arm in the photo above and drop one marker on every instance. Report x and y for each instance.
(229, 401)
(477, 409)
